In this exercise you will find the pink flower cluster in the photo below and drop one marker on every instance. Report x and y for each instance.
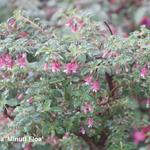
(87, 107)
(142, 135)
(95, 85)
(144, 72)
(56, 66)
(75, 24)
(6, 60)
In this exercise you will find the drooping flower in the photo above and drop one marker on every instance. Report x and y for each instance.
(95, 86)
(82, 130)
(75, 24)
(146, 130)
(90, 122)
(30, 100)
(138, 136)
(55, 66)
(11, 23)
(71, 67)
(148, 103)
(87, 107)
(66, 135)
(22, 34)
(144, 72)
(88, 79)
(20, 96)
(8, 60)
(145, 21)
(53, 140)
(22, 60)
(46, 67)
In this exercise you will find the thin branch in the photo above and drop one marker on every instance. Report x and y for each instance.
(107, 25)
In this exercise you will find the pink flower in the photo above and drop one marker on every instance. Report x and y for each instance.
(46, 67)
(20, 96)
(90, 122)
(88, 79)
(87, 107)
(11, 23)
(82, 130)
(71, 67)
(23, 34)
(53, 140)
(138, 136)
(75, 24)
(147, 103)
(66, 135)
(8, 60)
(95, 86)
(145, 21)
(22, 60)
(55, 66)
(30, 100)
(144, 72)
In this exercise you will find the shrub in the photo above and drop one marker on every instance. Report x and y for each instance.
(75, 86)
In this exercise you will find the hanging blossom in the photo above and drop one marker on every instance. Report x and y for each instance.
(53, 140)
(138, 137)
(66, 135)
(144, 72)
(87, 107)
(6, 60)
(22, 60)
(82, 130)
(145, 21)
(146, 130)
(148, 103)
(75, 24)
(88, 79)
(55, 66)
(71, 67)
(95, 86)
(90, 122)
(20, 96)
(46, 67)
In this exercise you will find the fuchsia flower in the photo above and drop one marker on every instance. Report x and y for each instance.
(30, 100)
(87, 107)
(71, 67)
(8, 60)
(82, 130)
(55, 66)
(46, 67)
(53, 140)
(145, 21)
(20, 96)
(88, 79)
(144, 72)
(138, 136)
(22, 60)
(66, 135)
(90, 122)
(11, 23)
(95, 86)
(75, 24)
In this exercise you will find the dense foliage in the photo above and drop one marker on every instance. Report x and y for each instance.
(77, 85)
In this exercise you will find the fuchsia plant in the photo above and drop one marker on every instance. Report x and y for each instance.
(77, 89)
